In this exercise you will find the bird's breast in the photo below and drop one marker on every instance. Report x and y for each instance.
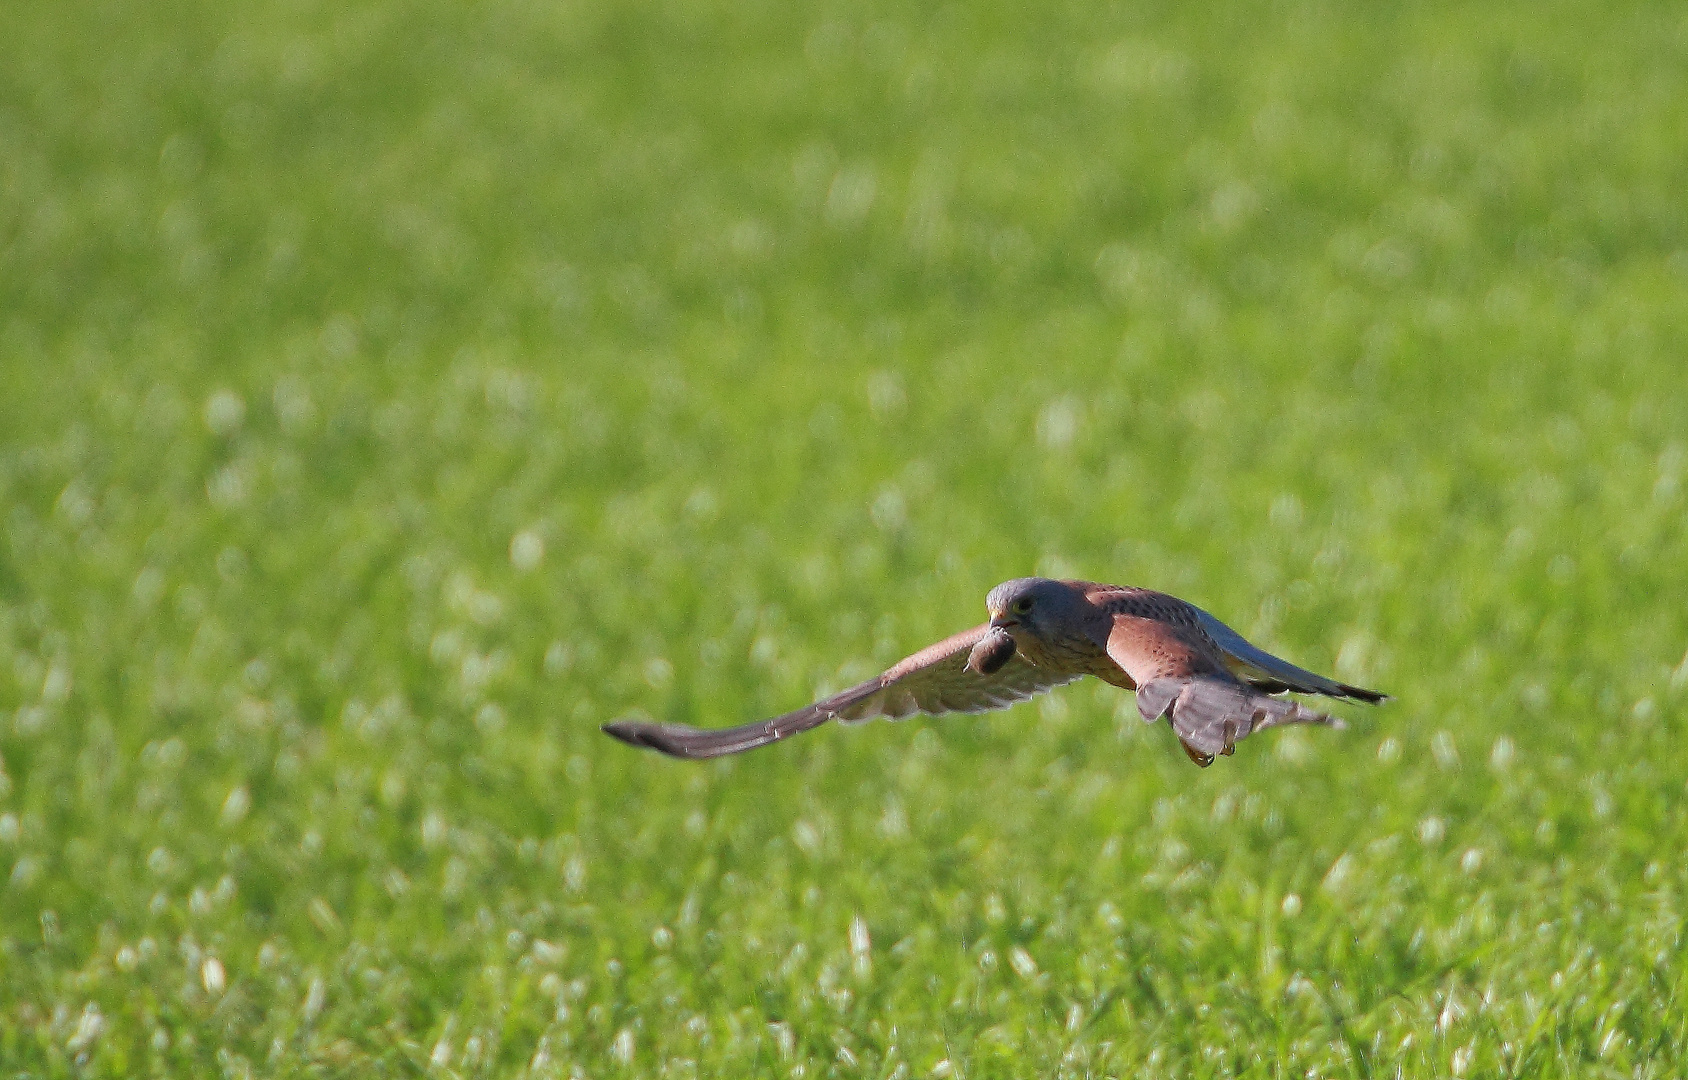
(1061, 654)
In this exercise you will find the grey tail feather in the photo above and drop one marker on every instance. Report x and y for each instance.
(1155, 698)
(1211, 715)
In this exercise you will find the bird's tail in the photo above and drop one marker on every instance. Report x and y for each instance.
(1211, 714)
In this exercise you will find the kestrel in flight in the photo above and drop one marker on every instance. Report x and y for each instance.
(1183, 664)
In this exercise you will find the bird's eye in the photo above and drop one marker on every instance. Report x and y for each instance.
(1022, 605)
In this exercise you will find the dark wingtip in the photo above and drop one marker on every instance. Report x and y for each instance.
(1360, 693)
(651, 736)
(631, 732)
(678, 740)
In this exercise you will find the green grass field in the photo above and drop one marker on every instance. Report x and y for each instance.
(391, 394)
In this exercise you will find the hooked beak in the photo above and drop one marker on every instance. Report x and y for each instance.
(1003, 622)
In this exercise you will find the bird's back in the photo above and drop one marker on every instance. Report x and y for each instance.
(1148, 604)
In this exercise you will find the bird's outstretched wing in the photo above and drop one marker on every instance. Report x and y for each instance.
(937, 679)
(1262, 670)
(1179, 677)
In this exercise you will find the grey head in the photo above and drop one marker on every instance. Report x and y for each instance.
(1040, 608)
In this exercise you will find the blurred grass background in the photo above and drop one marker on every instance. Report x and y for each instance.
(392, 394)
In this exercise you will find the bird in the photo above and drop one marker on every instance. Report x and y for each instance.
(1185, 666)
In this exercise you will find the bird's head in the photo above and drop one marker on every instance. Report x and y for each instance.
(1031, 607)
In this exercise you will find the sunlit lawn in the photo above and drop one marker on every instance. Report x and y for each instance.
(391, 394)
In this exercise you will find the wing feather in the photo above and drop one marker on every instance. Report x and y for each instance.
(1178, 678)
(934, 680)
(1273, 674)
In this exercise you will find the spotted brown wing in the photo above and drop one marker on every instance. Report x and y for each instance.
(934, 680)
(1182, 677)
